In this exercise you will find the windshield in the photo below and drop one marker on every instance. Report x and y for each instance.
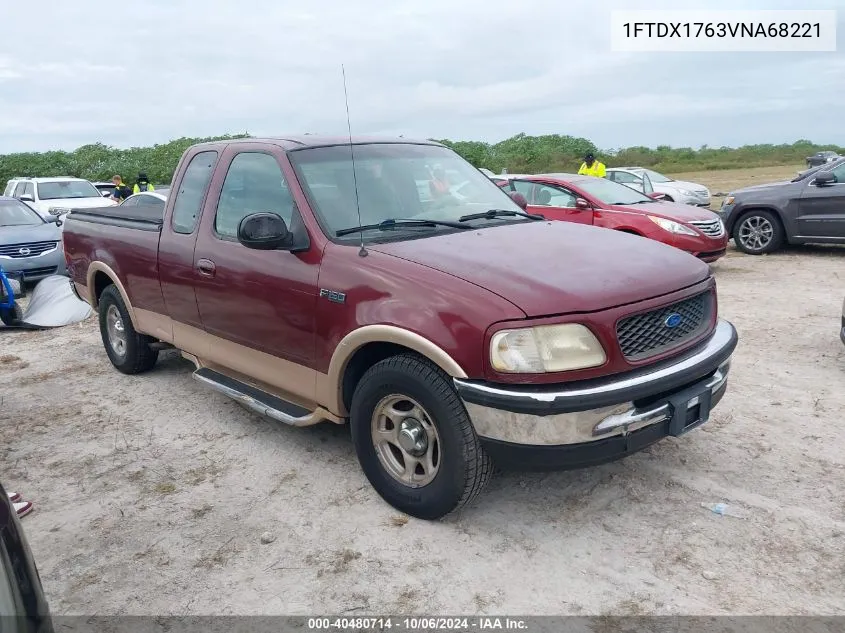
(14, 213)
(655, 177)
(812, 171)
(395, 180)
(67, 189)
(609, 192)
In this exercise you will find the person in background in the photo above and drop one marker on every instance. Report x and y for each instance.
(592, 167)
(121, 191)
(439, 184)
(143, 184)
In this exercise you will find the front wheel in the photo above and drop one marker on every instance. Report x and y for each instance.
(414, 439)
(758, 232)
(11, 316)
(128, 351)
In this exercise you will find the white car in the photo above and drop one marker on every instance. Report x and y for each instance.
(673, 190)
(54, 197)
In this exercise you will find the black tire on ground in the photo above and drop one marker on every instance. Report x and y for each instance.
(757, 232)
(137, 356)
(11, 316)
(464, 467)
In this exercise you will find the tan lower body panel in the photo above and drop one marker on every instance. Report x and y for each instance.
(284, 379)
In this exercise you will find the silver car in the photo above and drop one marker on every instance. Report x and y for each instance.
(30, 246)
(674, 190)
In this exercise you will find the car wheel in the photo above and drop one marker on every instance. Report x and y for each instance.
(668, 198)
(128, 351)
(758, 232)
(11, 316)
(414, 439)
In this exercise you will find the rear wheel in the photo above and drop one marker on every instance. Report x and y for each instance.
(414, 439)
(128, 351)
(758, 232)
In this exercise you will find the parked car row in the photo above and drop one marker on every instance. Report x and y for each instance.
(609, 204)
(56, 196)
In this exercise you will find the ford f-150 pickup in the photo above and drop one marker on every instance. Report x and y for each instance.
(323, 279)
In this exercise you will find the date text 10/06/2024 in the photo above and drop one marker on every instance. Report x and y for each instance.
(419, 623)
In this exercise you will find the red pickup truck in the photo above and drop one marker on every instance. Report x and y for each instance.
(604, 203)
(320, 279)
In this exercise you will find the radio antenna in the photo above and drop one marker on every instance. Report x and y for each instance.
(363, 251)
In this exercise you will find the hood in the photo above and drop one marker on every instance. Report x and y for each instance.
(32, 233)
(768, 185)
(682, 184)
(670, 210)
(550, 268)
(76, 203)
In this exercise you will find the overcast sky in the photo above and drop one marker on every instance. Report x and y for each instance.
(90, 71)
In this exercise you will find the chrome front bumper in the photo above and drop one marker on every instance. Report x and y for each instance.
(590, 411)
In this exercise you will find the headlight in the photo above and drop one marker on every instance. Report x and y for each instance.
(671, 226)
(685, 192)
(546, 348)
(728, 200)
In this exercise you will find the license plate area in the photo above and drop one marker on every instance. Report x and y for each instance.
(690, 409)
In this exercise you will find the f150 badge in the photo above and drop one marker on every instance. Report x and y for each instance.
(333, 295)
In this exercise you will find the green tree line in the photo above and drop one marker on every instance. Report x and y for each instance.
(518, 154)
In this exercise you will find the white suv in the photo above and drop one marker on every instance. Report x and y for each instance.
(52, 197)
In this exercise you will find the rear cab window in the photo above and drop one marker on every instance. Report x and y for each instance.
(191, 194)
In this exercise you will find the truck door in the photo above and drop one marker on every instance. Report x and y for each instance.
(179, 238)
(262, 300)
(553, 201)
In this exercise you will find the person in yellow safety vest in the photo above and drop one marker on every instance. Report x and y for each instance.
(143, 184)
(591, 167)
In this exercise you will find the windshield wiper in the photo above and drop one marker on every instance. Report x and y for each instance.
(495, 213)
(392, 223)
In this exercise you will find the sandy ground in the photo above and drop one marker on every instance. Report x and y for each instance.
(153, 492)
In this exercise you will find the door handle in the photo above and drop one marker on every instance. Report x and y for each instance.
(206, 267)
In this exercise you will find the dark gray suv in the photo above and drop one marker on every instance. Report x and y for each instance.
(809, 209)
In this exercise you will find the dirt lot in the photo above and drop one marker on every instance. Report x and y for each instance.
(153, 493)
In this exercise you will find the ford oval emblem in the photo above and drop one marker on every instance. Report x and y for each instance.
(673, 320)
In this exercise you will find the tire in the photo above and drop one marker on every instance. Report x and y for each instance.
(668, 198)
(134, 355)
(423, 396)
(758, 232)
(11, 316)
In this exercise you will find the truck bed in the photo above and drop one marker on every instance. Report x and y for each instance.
(144, 218)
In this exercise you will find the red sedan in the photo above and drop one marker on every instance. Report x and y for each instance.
(598, 201)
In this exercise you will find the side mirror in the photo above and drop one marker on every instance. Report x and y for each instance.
(582, 204)
(26, 198)
(59, 222)
(519, 199)
(824, 178)
(654, 195)
(264, 232)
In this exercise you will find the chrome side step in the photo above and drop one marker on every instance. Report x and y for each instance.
(257, 400)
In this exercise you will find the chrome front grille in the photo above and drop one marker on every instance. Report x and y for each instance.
(711, 228)
(30, 249)
(644, 335)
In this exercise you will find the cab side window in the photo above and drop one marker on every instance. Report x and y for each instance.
(189, 198)
(839, 173)
(253, 184)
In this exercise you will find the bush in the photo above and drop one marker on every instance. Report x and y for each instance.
(518, 154)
